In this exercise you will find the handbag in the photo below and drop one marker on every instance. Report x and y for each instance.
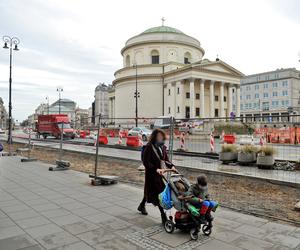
(165, 198)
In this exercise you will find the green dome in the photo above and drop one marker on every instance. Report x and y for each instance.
(162, 29)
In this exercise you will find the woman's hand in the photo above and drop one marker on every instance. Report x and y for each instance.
(160, 171)
(174, 169)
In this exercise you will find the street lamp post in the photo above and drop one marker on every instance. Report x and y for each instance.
(47, 99)
(136, 96)
(10, 43)
(59, 90)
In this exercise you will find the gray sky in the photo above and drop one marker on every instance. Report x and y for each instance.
(76, 44)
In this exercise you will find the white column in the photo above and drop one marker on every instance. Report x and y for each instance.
(222, 113)
(169, 99)
(212, 99)
(192, 98)
(178, 99)
(202, 107)
(238, 101)
(229, 99)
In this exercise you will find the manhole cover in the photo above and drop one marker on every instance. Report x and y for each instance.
(156, 238)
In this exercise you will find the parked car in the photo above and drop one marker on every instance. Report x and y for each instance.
(2, 131)
(144, 132)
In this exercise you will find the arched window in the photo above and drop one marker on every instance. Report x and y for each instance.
(127, 61)
(187, 58)
(154, 57)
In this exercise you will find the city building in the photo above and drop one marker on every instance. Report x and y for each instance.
(82, 118)
(101, 101)
(3, 115)
(64, 106)
(172, 78)
(42, 109)
(271, 96)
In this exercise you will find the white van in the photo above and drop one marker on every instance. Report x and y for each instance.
(162, 122)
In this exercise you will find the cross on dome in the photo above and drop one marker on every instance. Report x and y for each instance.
(163, 21)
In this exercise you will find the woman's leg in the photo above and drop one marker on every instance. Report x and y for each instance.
(163, 214)
(142, 207)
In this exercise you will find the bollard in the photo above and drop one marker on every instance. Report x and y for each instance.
(60, 163)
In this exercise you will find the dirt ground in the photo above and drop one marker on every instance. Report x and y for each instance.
(242, 193)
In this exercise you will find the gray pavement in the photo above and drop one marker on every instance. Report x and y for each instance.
(184, 161)
(60, 210)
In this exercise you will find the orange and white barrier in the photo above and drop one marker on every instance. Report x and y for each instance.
(120, 141)
(212, 142)
(182, 141)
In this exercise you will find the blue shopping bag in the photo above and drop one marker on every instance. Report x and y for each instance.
(165, 198)
(1, 147)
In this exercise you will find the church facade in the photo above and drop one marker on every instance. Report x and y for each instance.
(172, 79)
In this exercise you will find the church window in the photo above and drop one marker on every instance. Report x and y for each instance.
(197, 111)
(169, 110)
(127, 61)
(187, 95)
(154, 57)
(169, 92)
(178, 109)
(187, 58)
(197, 96)
(178, 92)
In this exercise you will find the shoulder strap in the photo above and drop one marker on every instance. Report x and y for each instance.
(155, 151)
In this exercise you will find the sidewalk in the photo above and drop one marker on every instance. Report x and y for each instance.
(60, 210)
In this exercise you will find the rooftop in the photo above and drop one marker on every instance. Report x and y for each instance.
(162, 29)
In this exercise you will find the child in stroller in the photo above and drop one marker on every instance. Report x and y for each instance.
(188, 200)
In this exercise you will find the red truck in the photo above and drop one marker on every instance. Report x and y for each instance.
(51, 125)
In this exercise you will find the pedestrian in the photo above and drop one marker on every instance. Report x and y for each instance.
(156, 161)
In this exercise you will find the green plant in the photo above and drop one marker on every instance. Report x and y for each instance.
(248, 149)
(229, 148)
(267, 151)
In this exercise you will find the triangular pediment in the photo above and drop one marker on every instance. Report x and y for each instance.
(219, 66)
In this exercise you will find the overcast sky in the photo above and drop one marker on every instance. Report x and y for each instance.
(76, 44)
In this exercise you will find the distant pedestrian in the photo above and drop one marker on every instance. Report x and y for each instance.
(155, 160)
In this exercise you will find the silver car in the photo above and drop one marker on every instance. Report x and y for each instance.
(144, 132)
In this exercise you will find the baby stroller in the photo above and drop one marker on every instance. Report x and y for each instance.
(186, 218)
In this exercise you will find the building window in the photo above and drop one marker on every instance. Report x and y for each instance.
(197, 96)
(169, 110)
(178, 109)
(187, 58)
(216, 98)
(266, 95)
(216, 112)
(169, 92)
(256, 96)
(275, 84)
(266, 85)
(178, 91)
(248, 97)
(274, 93)
(187, 95)
(284, 83)
(256, 87)
(224, 99)
(197, 111)
(285, 93)
(154, 57)
(127, 61)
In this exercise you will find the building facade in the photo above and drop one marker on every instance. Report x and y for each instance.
(271, 96)
(101, 101)
(3, 115)
(172, 78)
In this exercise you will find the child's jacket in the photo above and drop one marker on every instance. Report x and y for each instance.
(198, 191)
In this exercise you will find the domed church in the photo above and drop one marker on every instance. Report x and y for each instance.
(172, 79)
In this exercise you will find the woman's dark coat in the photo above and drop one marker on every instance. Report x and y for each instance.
(154, 184)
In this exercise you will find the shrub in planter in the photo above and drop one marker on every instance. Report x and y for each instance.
(228, 153)
(247, 154)
(265, 157)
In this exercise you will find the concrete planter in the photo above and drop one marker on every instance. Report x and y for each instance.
(228, 156)
(265, 161)
(246, 158)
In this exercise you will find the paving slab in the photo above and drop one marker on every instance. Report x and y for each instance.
(60, 210)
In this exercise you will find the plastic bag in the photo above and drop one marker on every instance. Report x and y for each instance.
(1, 147)
(165, 198)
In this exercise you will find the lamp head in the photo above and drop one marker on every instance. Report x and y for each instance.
(5, 46)
(16, 47)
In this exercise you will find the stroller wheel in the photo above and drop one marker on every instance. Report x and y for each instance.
(206, 229)
(194, 233)
(169, 226)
